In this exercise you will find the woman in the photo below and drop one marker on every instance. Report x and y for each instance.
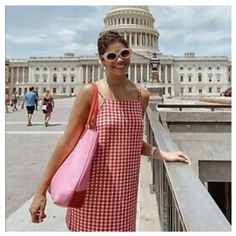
(111, 199)
(47, 106)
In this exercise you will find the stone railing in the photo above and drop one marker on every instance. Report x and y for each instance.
(183, 201)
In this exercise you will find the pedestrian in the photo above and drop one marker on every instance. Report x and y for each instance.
(111, 199)
(47, 106)
(29, 100)
(14, 101)
(7, 102)
(37, 98)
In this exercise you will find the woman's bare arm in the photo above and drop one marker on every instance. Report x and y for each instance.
(75, 127)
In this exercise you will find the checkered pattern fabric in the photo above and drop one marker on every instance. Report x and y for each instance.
(111, 200)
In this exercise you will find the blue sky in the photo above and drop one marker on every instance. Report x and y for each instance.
(53, 30)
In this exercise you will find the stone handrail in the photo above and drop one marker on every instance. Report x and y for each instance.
(183, 201)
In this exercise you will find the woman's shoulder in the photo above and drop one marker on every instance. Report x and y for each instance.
(143, 91)
(85, 93)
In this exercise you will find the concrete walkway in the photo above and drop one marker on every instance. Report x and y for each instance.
(147, 212)
(27, 151)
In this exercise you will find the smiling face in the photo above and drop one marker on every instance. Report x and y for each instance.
(118, 66)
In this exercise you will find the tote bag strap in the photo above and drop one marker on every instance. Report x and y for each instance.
(92, 118)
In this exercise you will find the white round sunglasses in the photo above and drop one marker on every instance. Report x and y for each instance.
(112, 56)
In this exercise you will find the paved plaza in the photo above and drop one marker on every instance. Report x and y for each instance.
(27, 152)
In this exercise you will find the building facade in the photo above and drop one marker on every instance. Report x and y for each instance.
(188, 75)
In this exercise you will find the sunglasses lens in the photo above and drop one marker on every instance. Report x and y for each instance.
(111, 56)
(125, 53)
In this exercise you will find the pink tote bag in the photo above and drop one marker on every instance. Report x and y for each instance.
(69, 183)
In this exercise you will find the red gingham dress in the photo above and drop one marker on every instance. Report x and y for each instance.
(111, 198)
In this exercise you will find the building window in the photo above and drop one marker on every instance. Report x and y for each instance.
(44, 90)
(200, 90)
(71, 90)
(189, 78)
(64, 79)
(54, 68)
(64, 90)
(190, 89)
(199, 68)
(37, 68)
(64, 68)
(189, 68)
(132, 21)
(210, 90)
(136, 21)
(123, 20)
(54, 78)
(199, 77)
(72, 79)
(209, 68)
(127, 20)
(72, 68)
(217, 67)
(54, 90)
(181, 68)
(210, 78)
(181, 78)
(182, 90)
(45, 78)
(218, 90)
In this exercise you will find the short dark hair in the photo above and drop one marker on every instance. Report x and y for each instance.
(107, 38)
(31, 88)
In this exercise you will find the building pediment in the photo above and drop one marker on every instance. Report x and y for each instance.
(138, 57)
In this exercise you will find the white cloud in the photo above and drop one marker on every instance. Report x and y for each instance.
(66, 34)
(26, 39)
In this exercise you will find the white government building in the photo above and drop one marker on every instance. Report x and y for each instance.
(187, 75)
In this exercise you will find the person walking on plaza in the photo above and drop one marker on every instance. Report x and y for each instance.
(29, 100)
(37, 98)
(47, 106)
(14, 101)
(7, 102)
(111, 198)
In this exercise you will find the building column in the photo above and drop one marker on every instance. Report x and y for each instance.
(135, 73)
(166, 74)
(159, 72)
(130, 39)
(82, 74)
(23, 75)
(12, 73)
(30, 76)
(86, 74)
(146, 40)
(135, 39)
(148, 76)
(93, 73)
(172, 74)
(125, 36)
(17, 75)
(129, 72)
(141, 72)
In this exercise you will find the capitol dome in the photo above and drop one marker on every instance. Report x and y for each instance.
(136, 25)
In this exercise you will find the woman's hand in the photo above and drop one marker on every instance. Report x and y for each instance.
(37, 208)
(175, 156)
